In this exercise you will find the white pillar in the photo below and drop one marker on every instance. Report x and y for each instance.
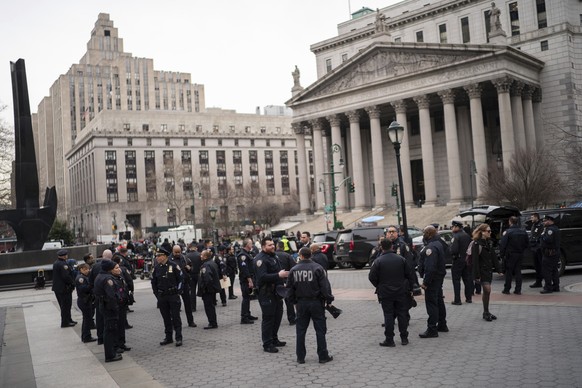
(427, 150)
(505, 119)
(517, 114)
(318, 161)
(537, 113)
(478, 133)
(452, 142)
(304, 206)
(528, 118)
(357, 164)
(377, 156)
(400, 109)
(336, 138)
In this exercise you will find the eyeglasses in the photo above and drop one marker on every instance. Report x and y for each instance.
(488, 230)
(392, 231)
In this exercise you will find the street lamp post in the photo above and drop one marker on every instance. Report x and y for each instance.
(322, 189)
(396, 132)
(195, 189)
(472, 174)
(335, 148)
(212, 212)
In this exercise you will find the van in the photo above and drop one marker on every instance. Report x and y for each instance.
(569, 220)
(355, 246)
(52, 245)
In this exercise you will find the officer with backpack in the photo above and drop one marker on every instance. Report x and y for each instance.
(459, 269)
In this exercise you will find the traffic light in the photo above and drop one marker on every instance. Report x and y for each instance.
(191, 209)
(394, 192)
(352, 187)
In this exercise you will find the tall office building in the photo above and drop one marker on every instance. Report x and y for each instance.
(472, 82)
(133, 148)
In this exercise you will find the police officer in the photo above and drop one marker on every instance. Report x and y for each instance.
(167, 284)
(109, 307)
(511, 248)
(184, 263)
(95, 271)
(433, 257)
(231, 270)
(269, 275)
(209, 285)
(401, 248)
(537, 227)
(85, 302)
(393, 279)
(309, 289)
(550, 244)
(245, 277)
(318, 257)
(127, 283)
(63, 287)
(459, 270)
(122, 295)
(287, 262)
(194, 256)
(221, 266)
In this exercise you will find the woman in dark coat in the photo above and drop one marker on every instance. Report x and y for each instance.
(484, 261)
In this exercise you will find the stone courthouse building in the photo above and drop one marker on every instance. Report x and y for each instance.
(471, 82)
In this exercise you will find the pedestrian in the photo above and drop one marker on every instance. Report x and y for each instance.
(318, 257)
(209, 285)
(269, 275)
(309, 290)
(222, 268)
(166, 285)
(108, 305)
(231, 270)
(484, 260)
(127, 283)
(536, 229)
(392, 277)
(402, 248)
(433, 257)
(122, 294)
(95, 271)
(459, 269)
(185, 265)
(85, 301)
(194, 256)
(550, 244)
(305, 240)
(63, 287)
(511, 248)
(246, 270)
(287, 262)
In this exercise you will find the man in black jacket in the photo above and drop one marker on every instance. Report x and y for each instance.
(246, 279)
(459, 270)
(287, 262)
(536, 230)
(318, 257)
(186, 267)
(511, 248)
(393, 279)
(63, 287)
(194, 256)
(208, 287)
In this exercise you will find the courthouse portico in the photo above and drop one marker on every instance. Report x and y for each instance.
(457, 102)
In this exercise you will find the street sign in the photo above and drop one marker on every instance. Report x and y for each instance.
(328, 208)
(337, 204)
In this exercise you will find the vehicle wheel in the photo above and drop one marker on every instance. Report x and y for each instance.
(344, 265)
(330, 265)
(142, 276)
(358, 265)
(561, 265)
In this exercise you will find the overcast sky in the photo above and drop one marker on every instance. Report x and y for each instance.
(243, 51)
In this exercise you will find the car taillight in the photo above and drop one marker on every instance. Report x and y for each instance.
(324, 248)
(352, 245)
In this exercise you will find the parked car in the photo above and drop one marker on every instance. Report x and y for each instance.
(326, 241)
(355, 246)
(569, 220)
(497, 217)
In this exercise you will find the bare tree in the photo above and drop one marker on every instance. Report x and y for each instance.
(6, 160)
(530, 181)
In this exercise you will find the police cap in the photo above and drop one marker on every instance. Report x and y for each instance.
(62, 252)
(162, 251)
(549, 217)
(457, 223)
(108, 265)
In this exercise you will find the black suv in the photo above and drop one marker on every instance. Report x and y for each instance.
(355, 245)
(569, 220)
(326, 241)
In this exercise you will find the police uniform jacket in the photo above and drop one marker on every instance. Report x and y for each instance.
(308, 281)
(391, 276)
(514, 241)
(166, 279)
(285, 259)
(231, 265)
(182, 262)
(84, 289)
(267, 269)
(433, 257)
(63, 281)
(459, 244)
(209, 281)
(320, 259)
(95, 270)
(550, 241)
(128, 280)
(535, 234)
(245, 265)
(221, 265)
(195, 262)
(106, 292)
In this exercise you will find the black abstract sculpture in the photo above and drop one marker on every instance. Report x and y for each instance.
(31, 222)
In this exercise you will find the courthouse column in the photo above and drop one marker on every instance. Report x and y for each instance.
(377, 155)
(400, 109)
(452, 142)
(528, 118)
(336, 138)
(304, 206)
(427, 150)
(318, 154)
(517, 114)
(505, 120)
(357, 164)
(478, 133)
(537, 113)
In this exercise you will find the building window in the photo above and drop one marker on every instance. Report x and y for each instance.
(544, 45)
(344, 57)
(110, 142)
(236, 142)
(150, 173)
(185, 142)
(284, 162)
(220, 142)
(163, 127)
(328, 65)
(203, 142)
(268, 143)
(127, 126)
(443, 33)
(252, 142)
(542, 17)
(111, 176)
(466, 34)
(168, 160)
(263, 130)
(514, 18)
(397, 40)
(199, 128)
(181, 127)
(145, 127)
(215, 128)
(149, 141)
(167, 141)
(131, 176)
(171, 216)
(414, 123)
(282, 143)
(419, 37)
(129, 141)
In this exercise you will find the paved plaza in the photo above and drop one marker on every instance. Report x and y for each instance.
(535, 342)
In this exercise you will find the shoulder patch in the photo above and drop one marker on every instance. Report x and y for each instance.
(81, 280)
(452, 240)
(178, 267)
(407, 248)
(66, 266)
(550, 232)
(259, 263)
(243, 258)
(203, 270)
(428, 252)
(110, 282)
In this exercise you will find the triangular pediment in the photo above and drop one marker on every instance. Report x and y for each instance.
(390, 62)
